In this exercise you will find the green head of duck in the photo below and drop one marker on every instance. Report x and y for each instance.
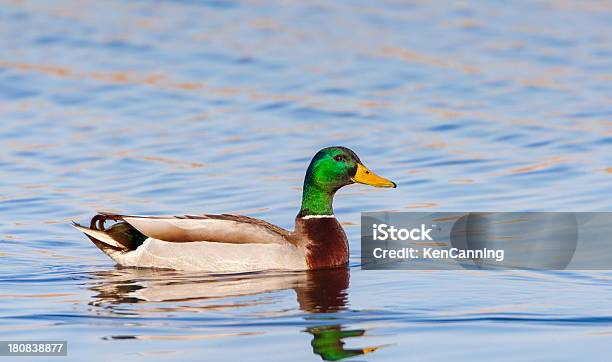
(330, 169)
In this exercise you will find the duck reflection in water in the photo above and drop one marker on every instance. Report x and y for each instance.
(327, 342)
(318, 291)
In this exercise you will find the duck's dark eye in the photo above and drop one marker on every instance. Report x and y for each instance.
(339, 158)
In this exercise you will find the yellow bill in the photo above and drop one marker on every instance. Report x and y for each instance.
(367, 177)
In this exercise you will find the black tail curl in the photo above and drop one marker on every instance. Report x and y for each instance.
(97, 222)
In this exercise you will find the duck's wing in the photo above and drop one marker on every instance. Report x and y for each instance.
(223, 228)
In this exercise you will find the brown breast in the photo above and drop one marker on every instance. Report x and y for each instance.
(326, 242)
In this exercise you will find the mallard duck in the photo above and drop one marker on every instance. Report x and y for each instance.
(235, 243)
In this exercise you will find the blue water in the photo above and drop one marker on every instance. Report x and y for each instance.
(173, 107)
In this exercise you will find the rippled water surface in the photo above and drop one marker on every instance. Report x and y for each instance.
(172, 107)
